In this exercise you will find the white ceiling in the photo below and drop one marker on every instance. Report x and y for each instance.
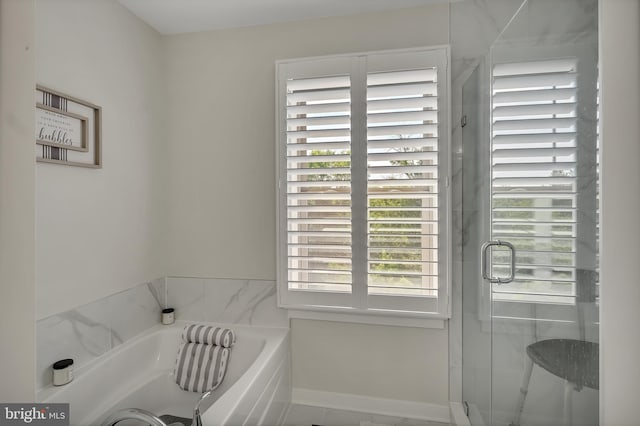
(185, 16)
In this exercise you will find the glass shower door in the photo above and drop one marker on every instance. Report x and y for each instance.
(476, 293)
(530, 330)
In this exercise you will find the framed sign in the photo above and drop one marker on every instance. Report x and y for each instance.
(60, 129)
(67, 130)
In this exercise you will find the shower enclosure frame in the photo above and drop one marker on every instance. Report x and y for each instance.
(466, 219)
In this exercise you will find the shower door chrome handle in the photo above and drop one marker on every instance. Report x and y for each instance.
(484, 259)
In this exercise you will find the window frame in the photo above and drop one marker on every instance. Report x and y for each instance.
(358, 301)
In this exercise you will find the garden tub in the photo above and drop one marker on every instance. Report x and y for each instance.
(256, 389)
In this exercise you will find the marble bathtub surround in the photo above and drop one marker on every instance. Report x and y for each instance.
(158, 290)
(89, 331)
(71, 335)
(227, 301)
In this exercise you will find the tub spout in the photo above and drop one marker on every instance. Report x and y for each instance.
(197, 420)
(133, 414)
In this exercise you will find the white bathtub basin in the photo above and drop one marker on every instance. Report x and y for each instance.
(139, 374)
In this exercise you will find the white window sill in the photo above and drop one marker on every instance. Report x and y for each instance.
(406, 320)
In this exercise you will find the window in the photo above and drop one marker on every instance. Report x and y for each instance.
(545, 179)
(363, 182)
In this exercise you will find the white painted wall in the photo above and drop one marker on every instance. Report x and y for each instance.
(620, 212)
(222, 130)
(222, 182)
(99, 231)
(17, 201)
(379, 361)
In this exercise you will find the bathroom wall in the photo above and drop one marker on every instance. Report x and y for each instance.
(222, 155)
(385, 362)
(17, 201)
(620, 246)
(99, 231)
(222, 184)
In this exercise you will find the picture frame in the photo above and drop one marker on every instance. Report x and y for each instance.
(67, 130)
(61, 129)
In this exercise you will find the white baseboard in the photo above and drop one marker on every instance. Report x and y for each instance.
(367, 404)
(458, 417)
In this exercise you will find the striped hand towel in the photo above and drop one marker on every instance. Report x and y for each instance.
(202, 358)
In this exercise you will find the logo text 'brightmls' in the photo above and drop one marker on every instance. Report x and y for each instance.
(36, 414)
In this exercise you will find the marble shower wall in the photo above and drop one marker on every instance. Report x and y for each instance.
(89, 331)
(475, 26)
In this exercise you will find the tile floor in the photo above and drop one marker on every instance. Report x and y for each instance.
(304, 415)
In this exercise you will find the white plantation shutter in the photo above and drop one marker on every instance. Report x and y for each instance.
(362, 199)
(537, 189)
(318, 184)
(402, 162)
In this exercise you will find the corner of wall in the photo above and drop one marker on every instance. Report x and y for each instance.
(17, 198)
